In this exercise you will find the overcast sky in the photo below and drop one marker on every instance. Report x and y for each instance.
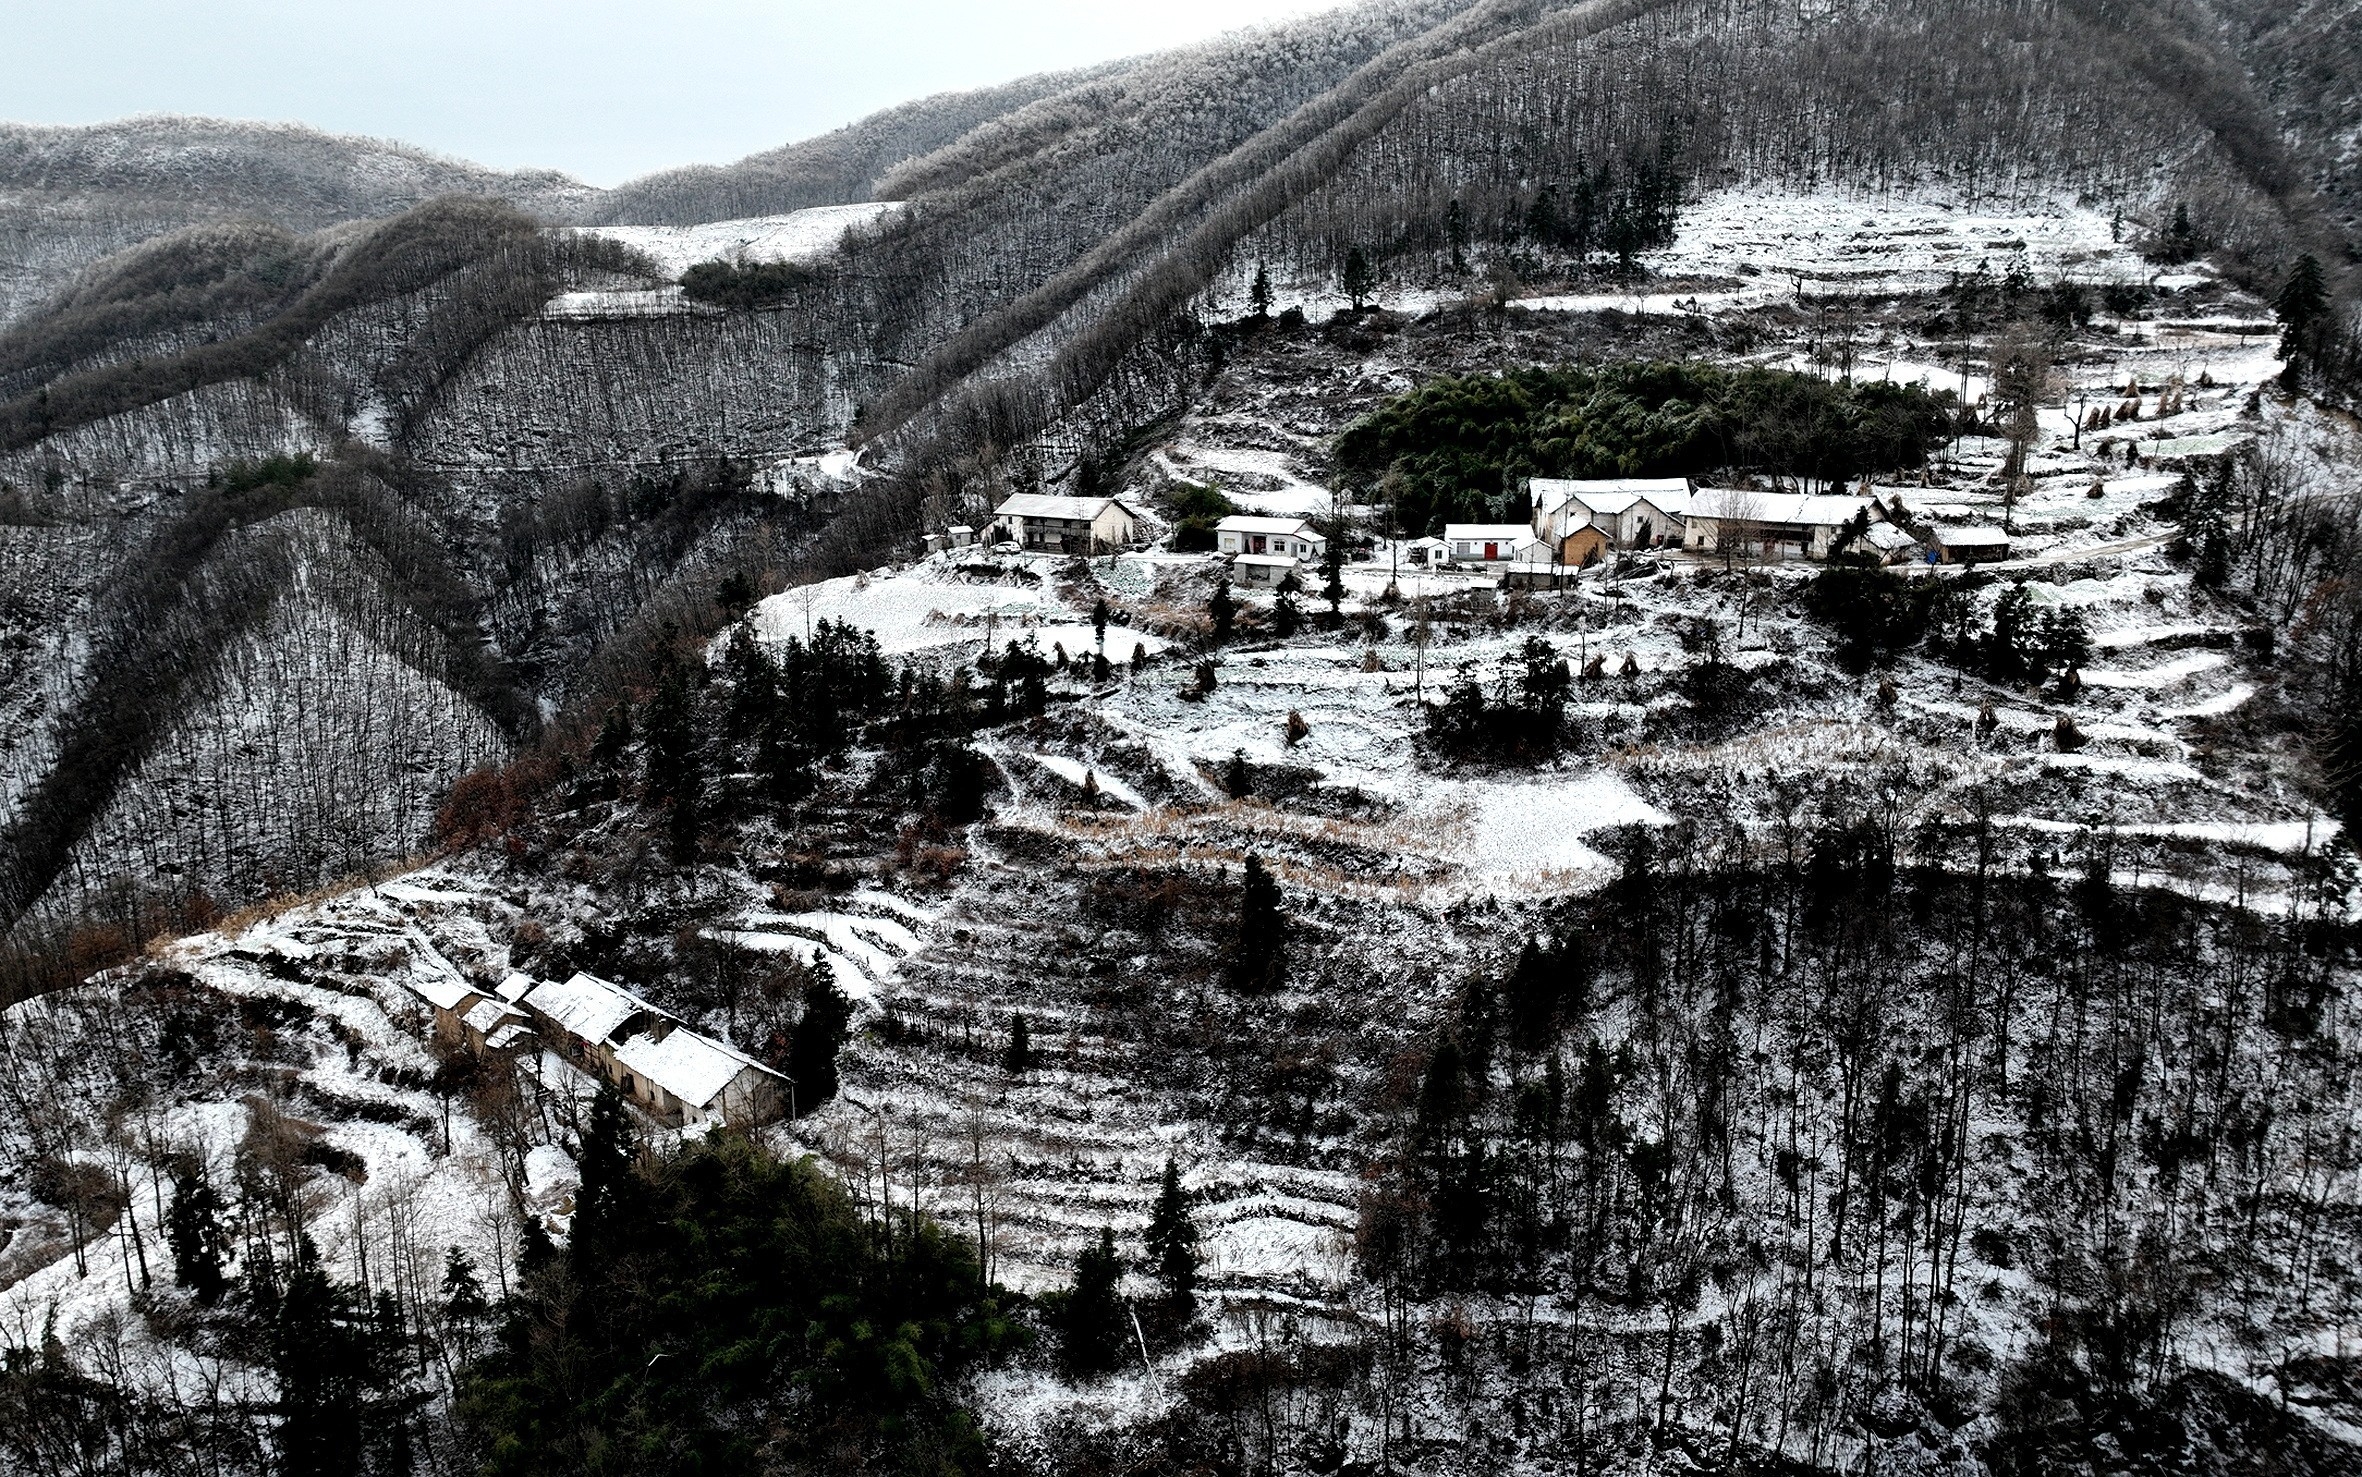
(603, 89)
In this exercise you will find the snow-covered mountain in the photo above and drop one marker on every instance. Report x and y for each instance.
(1695, 1008)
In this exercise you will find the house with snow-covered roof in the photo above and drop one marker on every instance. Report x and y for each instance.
(1486, 543)
(1742, 522)
(673, 1073)
(1618, 512)
(1041, 522)
(1249, 533)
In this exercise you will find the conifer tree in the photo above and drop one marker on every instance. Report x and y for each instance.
(820, 1035)
(536, 1253)
(1258, 959)
(1172, 1251)
(1017, 1060)
(2302, 306)
(1287, 617)
(331, 1352)
(670, 738)
(1332, 566)
(1093, 1320)
(605, 1165)
(465, 1308)
(615, 736)
(1223, 609)
(1533, 997)
(685, 822)
(1259, 295)
(199, 1244)
(1358, 278)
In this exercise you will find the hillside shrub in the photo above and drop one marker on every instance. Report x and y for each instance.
(745, 284)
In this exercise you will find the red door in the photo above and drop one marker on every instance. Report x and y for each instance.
(1492, 551)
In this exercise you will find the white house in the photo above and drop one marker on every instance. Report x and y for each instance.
(1775, 525)
(1067, 525)
(671, 1071)
(1631, 512)
(1977, 545)
(1247, 533)
(1263, 571)
(1486, 543)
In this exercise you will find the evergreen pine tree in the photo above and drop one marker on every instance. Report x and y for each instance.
(605, 1165)
(1259, 295)
(1017, 1060)
(1287, 617)
(2302, 306)
(670, 738)
(329, 1351)
(1238, 781)
(465, 1307)
(1172, 1251)
(685, 822)
(1258, 959)
(1541, 218)
(1093, 1319)
(1533, 998)
(536, 1253)
(1455, 231)
(615, 736)
(820, 1035)
(199, 1245)
(1099, 627)
(1332, 568)
(2181, 238)
(1358, 279)
(1223, 609)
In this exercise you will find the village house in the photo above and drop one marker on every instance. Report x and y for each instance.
(449, 1000)
(1263, 571)
(676, 1075)
(1581, 519)
(1044, 523)
(1742, 523)
(1979, 545)
(1486, 543)
(1247, 533)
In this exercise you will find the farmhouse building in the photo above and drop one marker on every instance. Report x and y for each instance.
(672, 1072)
(1486, 543)
(1626, 513)
(1246, 533)
(1742, 523)
(1263, 571)
(1981, 544)
(1043, 523)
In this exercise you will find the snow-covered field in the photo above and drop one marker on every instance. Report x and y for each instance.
(799, 236)
(1840, 240)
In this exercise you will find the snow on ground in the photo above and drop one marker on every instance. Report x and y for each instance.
(2165, 674)
(863, 950)
(629, 302)
(1836, 240)
(1257, 481)
(1519, 832)
(1077, 774)
(2290, 838)
(799, 236)
(951, 601)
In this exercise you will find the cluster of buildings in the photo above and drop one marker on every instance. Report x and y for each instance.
(1575, 523)
(675, 1075)
(1572, 524)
